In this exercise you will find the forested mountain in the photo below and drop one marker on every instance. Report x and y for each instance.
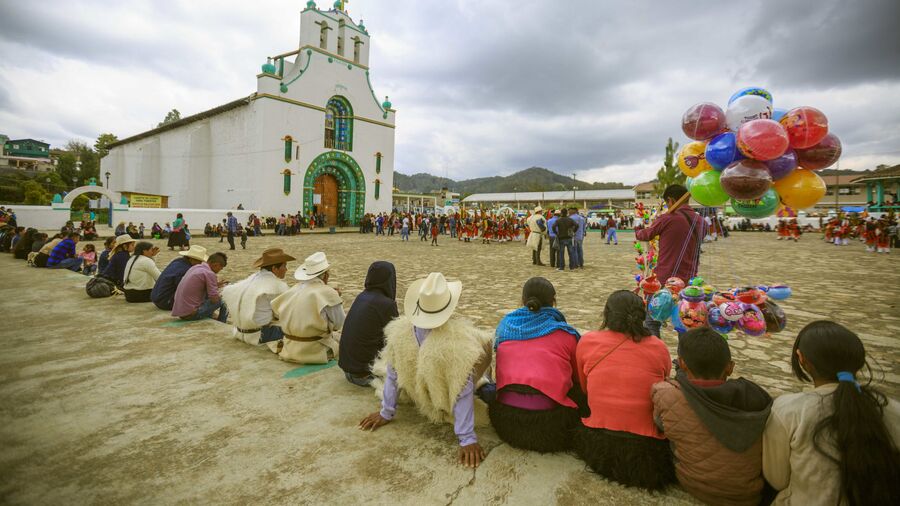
(533, 179)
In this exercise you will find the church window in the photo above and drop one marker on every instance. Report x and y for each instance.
(288, 144)
(323, 34)
(378, 163)
(357, 45)
(339, 124)
(340, 45)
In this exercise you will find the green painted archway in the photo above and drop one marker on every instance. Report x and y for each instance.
(351, 185)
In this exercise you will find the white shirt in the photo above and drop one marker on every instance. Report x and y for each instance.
(141, 273)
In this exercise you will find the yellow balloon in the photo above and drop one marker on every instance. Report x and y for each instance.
(800, 189)
(692, 159)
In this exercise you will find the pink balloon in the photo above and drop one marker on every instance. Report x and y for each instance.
(762, 139)
(822, 155)
(746, 179)
(703, 121)
(806, 126)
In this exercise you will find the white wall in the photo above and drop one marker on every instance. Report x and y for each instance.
(48, 218)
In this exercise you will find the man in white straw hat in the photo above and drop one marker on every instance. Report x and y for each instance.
(310, 314)
(250, 300)
(437, 360)
(163, 294)
(537, 226)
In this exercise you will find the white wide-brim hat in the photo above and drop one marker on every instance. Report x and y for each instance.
(195, 252)
(124, 239)
(430, 301)
(312, 267)
(538, 209)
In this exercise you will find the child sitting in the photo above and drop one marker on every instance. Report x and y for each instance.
(713, 424)
(103, 260)
(88, 258)
(837, 443)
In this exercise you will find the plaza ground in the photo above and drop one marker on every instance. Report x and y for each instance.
(107, 402)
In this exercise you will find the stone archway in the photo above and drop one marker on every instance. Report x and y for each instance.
(81, 190)
(351, 187)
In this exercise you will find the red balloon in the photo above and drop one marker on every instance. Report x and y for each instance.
(746, 179)
(762, 139)
(703, 121)
(822, 155)
(805, 126)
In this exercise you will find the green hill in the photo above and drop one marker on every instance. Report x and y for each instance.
(533, 179)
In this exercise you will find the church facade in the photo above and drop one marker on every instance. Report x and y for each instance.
(313, 138)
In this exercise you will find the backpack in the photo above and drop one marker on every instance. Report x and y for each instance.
(100, 287)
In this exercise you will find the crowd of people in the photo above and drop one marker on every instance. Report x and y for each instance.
(879, 234)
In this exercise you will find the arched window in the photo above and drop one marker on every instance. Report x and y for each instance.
(339, 124)
(340, 45)
(323, 34)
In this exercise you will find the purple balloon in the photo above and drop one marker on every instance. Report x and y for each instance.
(783, 165)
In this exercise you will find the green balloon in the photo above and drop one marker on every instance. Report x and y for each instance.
(706, 189)
(759, 208)
(688, 182)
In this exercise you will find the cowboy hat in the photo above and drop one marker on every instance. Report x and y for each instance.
(312, 267)
(430, 301)
(195, 252)
(538, 209)
(123, 239)
(272, 256)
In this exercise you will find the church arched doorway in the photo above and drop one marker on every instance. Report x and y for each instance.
(334, 187)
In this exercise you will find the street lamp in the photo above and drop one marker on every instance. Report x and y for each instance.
(107, 179)
(48, 184)
(74, 182)
(516, 193)
(109, 215)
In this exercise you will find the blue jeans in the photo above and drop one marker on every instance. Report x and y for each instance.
(73, 264)
(579, 252)
(565, 245)
(611, 236)
(365, 381)
(404, 233)
(207, 309)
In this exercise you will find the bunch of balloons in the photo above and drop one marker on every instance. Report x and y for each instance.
(750, 309)
(756, 156)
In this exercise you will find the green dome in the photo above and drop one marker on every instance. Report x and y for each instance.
(387, 103)
(284, 88)
(311, 4)
(361, 25)
(337, 5)
(268, 67)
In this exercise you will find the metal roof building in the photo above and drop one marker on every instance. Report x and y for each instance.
(624, 194)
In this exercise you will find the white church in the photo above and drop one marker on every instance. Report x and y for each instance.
(314, 137)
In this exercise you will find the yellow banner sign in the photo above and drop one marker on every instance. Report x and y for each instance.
(147, 201)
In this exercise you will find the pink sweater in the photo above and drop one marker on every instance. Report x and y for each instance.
(618, 388)
(545, 364)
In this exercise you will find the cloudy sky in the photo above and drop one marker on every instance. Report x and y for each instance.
(481, 87)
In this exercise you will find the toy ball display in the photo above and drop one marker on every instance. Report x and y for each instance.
(746, 108)
(661, 305)
(805, 126)
(779, 292)
(693, 294)
(707, 189)
(692, 314)
(824, 154)
(692, 159)
(800, 189)
(757, 208)
(676, 321)
(752, 323)
(774, 316)
(650, 284)
(762, 139)
(722, 150)
(751, 295)
(674, 285)
(751, 90)
(703, 121)
(783, 165)
(746, 180)
(732, 311)
(697, 281)
(717, 321)
(720, 298)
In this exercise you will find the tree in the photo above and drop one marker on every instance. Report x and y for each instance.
(102, 144)
(669, 173)
(35, 193)
(171, 117)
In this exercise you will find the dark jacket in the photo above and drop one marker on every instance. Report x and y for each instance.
(163, 294)
(363, 334)
(565, 228)
(115, 271)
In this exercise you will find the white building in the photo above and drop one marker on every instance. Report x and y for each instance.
(313, 137)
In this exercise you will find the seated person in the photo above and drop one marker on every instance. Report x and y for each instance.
(197, 296)
(714, 424)
(438, 360)
(88, 257)
(836, 443)
(163, 294)
(535, 370)
(65, 254)
(118, 259)
(103, 258)
(141, 273)
(310, 314)
(250, 300)
(121, 229)
(40, 260)
(617, 367)
(363, 335)
(23, 246)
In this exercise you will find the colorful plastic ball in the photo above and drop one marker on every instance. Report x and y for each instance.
(676, 321)
(746, 180)
(757, 208)
(779, 292)
(692, 159)
(661, 305)
(752, 323)
(692, 294)
(697, 281)
(806, 126)
(774, 316)
(674, 285)
(751, 295)
(751, 90)
(822, 155)
(703, 121)
(732, 311)
(783, 165)
(746, 108)
(762, 139)
(720, 298)
(692, 314)
(717, 321)
(707, 190)
(650, 284)
(800, 189)
(722, 151)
